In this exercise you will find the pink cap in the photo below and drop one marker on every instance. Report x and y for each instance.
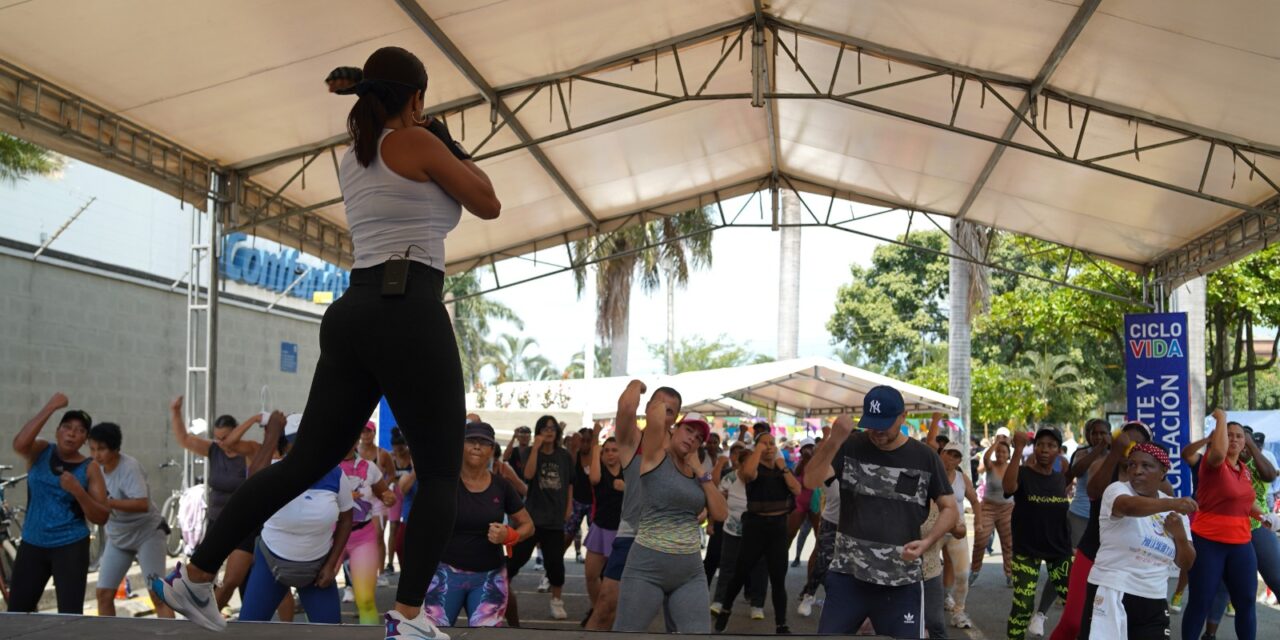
(695, 419)
(371, 426)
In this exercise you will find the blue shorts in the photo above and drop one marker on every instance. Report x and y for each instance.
(618, 558)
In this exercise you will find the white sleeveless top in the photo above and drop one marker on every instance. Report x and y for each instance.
(388, 213)
(957, 487)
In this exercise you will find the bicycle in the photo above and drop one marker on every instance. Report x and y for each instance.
(10, 532)
(169, 512)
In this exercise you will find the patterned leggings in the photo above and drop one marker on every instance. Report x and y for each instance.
(996, 518)
(1026, 572)
(482, 593)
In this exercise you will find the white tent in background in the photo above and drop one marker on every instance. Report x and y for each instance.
(803, 386)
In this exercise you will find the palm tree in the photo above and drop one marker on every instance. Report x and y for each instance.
(578, 364)
(668, 248)
(19, 159)
(511, 361)
(1051, 374)
(471, 318)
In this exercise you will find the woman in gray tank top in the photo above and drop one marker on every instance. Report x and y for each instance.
(665, 563)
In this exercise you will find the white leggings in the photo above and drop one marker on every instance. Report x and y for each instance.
(956, 551)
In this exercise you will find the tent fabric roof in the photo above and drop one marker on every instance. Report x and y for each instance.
(612, 115)
(804, 386)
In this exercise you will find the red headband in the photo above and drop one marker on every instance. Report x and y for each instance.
(1153, 451)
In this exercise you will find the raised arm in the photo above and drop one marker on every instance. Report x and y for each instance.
(431, 159)
(25, 444)
(194, 444)
(654, 437)
(1083, 461)
(1191, 453)
(593, 473)
(717, 507)
(235, 442)
(1010, 481)
(272, 433)
(1101, 472)
(1266, 470)
(935, 423)
(819, 467)
(624, 426)
(751, 465)
(93, 501)
(793, 484)
(531, 465)
(1217, 453)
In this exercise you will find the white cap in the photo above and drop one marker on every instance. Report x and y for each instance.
(1002, 431)
(807, 442)
(199, 426)
(291, 423)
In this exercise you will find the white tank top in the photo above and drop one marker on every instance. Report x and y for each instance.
(388, 213)
(957, 486)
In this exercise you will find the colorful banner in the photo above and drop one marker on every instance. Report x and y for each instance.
(1156, 379)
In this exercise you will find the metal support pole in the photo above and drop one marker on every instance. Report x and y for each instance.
(36, 255)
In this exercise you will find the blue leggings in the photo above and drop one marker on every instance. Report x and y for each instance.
(1217, 563)
(1266, 546)
(483, 593)
(262, 594)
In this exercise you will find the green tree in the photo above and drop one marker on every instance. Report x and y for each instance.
(1240, 298)
(20, 159)
(889, 312)
(697, 354)
(1001, 397)
(664, 249)
(1056, 384)
(577, 364)
(472, 317)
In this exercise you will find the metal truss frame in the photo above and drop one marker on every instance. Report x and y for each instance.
(66, 122)
(828, 219)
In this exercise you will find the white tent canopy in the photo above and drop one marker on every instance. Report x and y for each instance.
(803, 386)
(1140, 131)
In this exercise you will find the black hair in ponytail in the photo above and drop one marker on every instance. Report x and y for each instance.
(391, 78)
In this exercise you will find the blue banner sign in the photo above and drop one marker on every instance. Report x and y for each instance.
(289, 357)
(241, 262)
(1156, 379)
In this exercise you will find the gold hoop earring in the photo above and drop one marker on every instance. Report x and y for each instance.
(414, 116)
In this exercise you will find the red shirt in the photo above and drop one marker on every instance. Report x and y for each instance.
(1225, 494)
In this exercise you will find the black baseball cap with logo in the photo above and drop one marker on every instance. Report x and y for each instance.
(881, 408)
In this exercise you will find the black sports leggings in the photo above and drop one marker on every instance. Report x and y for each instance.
(762, 537)
(68, 565)
(401, 347)
(551, 539)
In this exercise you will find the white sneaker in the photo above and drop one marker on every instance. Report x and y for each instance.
(194, 600)
(805, 608)
(949, 604)
(960, 620)
(383, 581)
(757, 613)
(557, 609)
(716, 607)
(545, 585)
(1036, 626)
(348, 595)
(419, 628)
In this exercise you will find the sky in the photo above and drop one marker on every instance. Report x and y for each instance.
(135, 226)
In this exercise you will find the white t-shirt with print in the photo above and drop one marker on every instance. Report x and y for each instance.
(737, 499)
(302, 530)
(1136, 553)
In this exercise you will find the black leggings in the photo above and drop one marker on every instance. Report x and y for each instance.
(401, 347)
(68, 565)
(763, 537)
(551, 539)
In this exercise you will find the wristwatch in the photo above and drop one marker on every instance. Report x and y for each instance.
(706, 477)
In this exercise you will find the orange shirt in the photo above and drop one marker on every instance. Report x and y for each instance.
(1225, 494)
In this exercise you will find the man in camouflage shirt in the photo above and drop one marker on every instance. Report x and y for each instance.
(886, 483)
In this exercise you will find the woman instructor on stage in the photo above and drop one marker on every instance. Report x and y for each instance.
(404, 181)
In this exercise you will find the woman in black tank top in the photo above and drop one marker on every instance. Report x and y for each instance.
(771, 495)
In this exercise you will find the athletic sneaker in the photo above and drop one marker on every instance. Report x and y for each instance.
(1176, 604)
(1008, 582)
(419, 628)
(557, 609)
(1231, 610)
(1036, 626)
(716, 607)
(805, 608)
(795, 563)
(192, 599)
(783, 630)
(960, 620)
(973, 578)
(577, 557)
(383, 581)
(949, 604)
(722, 621)
(545, 585)
(757, 613)
(348, 595)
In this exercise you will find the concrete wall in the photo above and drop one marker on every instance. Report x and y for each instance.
(115, 345)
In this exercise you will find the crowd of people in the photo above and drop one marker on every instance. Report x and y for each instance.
(317, 498)
(891, 544)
